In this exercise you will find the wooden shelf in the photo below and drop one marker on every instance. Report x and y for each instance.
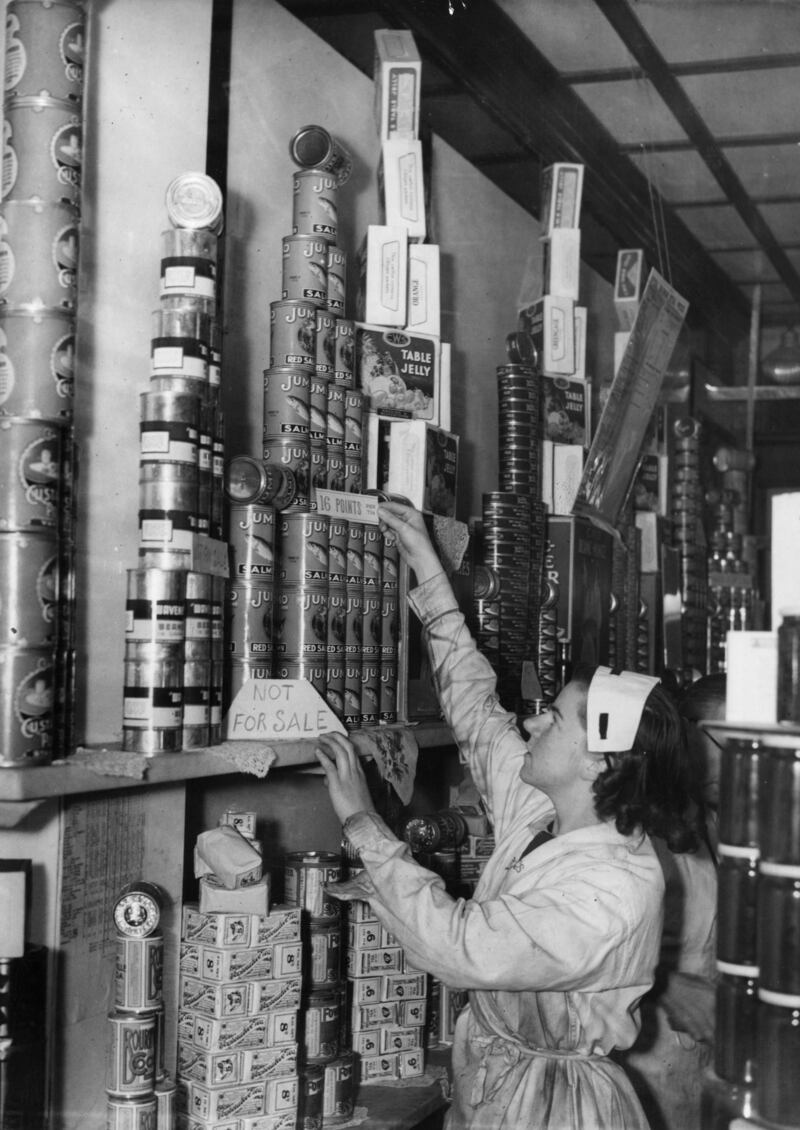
(759, 392)
(773, 736)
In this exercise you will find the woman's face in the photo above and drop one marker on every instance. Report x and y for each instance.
(557, 750)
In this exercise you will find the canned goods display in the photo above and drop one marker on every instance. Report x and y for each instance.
(313, 147)
(42, 151)
(323, 1021)
(304, 269)
(303, 543)
(306, 875)
(188, 262)
(27, 680)
(344, 346)
(44, 48)
(293, 335)
(37, 363)
(155, 607)
(251, 536)
(30, 473)
(152, 702)
(194, 200)
(337, 280)
(291, 454)
(286, 402)
(39, 253)
(131, 1055)
(314, 204)
(29, 564)
(340, 1090)
(251, 631)
(139, 973)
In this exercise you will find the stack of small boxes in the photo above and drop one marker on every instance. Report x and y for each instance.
(239, 993)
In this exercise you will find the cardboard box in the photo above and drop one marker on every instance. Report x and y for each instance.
(628, 286)
(567, 474)
(398, 371)
(565, 410)
(561, 192)
(383, 275)
(423, 308)
(751, 688)
(397, 75)
(551, 323)
(784, 545)
(401, 187)
(579, 561)
(581, 318)
(445, 416)
(547, 474)
(423, 466)
(561, 266)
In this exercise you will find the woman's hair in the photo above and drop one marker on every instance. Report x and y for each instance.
(656, 785)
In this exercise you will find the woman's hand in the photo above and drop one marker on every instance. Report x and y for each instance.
(408, 526)
(344, 776)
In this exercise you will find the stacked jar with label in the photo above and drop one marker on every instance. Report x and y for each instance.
(39, 232)
(174, 658)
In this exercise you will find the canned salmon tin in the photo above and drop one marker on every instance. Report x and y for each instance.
(37, 363)
(27, 680)
(30, 473)
(337, 550)
(390, 626)
(194, 200)
(344, 352)
(152, 702)
(293, 335)
(390, 567)
(334, 467)
(139, 973)
(29, 566)
(42, 150)
(318, 406)
(318, 471)
(132, 1114)
(352, 691)
(131, 1055)
(370, 692)
(301, 623)
(237, 672)
(354, 576)
(353, 472)
(314, 204)
(250, 614)
(339, 1090)
(291, 454)
(334, 416)
(326, 326)
(337, 280)
(306, 874)
(251, 536)
(155, 606)
(249, 481)
(286, 402)
(388, 691)
(325, 966)
(337, 622)
(39, 253)
(313, 147)
(189, 262)
(303, 545)
(373, 559)
(312, 668)
(334, 684)
(323, 1023)
(304, 269)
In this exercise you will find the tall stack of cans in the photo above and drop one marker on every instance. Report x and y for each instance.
(686, 512)
(39, 233)
(23, 1038)
(172, 696)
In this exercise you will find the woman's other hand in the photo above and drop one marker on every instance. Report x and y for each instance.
(344, 776)
(416, 548)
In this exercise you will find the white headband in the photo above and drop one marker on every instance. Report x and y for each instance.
(614, 708)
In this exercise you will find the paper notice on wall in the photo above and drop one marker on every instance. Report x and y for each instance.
(614, 454)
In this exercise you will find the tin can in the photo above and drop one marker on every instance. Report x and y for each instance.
(737, 905)
(44, 48)
(340, 1090)
(778, 801)
(312, 668)
(27, 680)
(30, 473)
(310, 1095)
(337, 280)
(372, 560)
(250, 621)
(291, 454)
(251, 536)
(174, 382)
(323, 1021)
(29, 566)
(354, 623)
(179, 344)
(739, 783)
(777, 1083)
(388, 691)
(353, 480)
(293, 335)
(301, 622)
(168, 504)
(189, 263)
(334, 467)
(325, 965)
(318, 407)
(372, 625)
(156, 557)
(197, 607)
(390, 567)
(237, 672)
(352, 691)
(139, 973)
(337, 551)
(354, 577)
(152, 698)
(304, 269)
(313, 147)
(39, 254)
(132, 1114)
(318, 471)
(306, 875)
(42, 150)
(286, 402)
(194, 200)
(334, 416)
(314, 204)
(779, 928)
(250, 481)
(166, 1102)
(390, 627)
(155, 606)
(735, 1042)
(334, 684)
(131, 1055)
(337, 622)
(168, 428)
(326, 326)
(344, 341)
(37, 363)
(303, 541)
(196, 703)
(370, 692)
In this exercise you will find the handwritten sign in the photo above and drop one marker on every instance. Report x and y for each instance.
(354, 507)
(279, 708)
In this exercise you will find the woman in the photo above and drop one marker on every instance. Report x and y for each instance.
(561, 938)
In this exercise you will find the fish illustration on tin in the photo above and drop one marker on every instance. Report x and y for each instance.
(298, 407)
(319, 273)
(260, 547)
(335, 427)
(318, 419)
(318, 552)
(327, 206)
(373, 561)
(338, 557)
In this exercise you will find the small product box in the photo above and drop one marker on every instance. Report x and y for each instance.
(650, 525)
(565, 410)
(581, 326)
(397, 75)
(628, 286)
(751, 663)
(401, 187)
(550, 321)
(423, 307)
(398, 371)
(366, 1017)
(423, 466)
(216, 899)
(578, 558)
(567, 474)
(561, 192)
(383, 275)
(444, 416)
(561, 268)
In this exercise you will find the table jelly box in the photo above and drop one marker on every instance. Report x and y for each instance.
(398, 371)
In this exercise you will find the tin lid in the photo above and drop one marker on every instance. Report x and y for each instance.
(311, 146)
(194, 200)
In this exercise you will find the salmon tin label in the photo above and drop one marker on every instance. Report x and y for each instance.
(337, 280)
(286, 402)
(251, 536)
(304, 269)
(293, 335)
(301, 622)
(314, 205)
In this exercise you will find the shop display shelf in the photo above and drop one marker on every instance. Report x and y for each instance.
(777, 735)
(757, 392)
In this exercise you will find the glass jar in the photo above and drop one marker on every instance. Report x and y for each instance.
(737, 901)
(735, 1040)
(788, 701)
(778, 1086)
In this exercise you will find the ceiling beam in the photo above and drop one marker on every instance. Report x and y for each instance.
(735, 65)
(739, 141)
(627, 26)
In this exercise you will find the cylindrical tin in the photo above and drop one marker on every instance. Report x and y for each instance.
(132, 1114)
(778, 1081)
(738, 794)
(301, 623)
(291, 454)
(29, 566)
(131, 1055)
(354, 624)
(323, 1023)
(390, 627)
(318, 471)
(736, 1041)
(39, 254)
(286, 402)
(42, 151)
(197, 615)
(179, 345)
(168, 504)
(313, 147)
(318, 407)
(779, 928)
(166, 1103)
(249, 480)
(237, 672)
(293, 335)
(306, 875)
(325, 965)
(370, 691)
(372, 560)
(37, 363)
(174, 382)
(27, 680)
(303, 543)
(354, 577)
(155, 606)
(737, 902)
(334, 416)
(194, 200)
(334, 684)
(337, 623)
(196, 703)
(340, 1090)
(304, 269)
(314, 204)
(353, 475)
(326, 326)
(152, 705)
(778, 804)
(354, 423)
(251, 536)
(390, 566)
(337, 551)
(44, 48)
(250, 616)
(334, 467)
(388, 697)
(352, 692)
(157, 557)
(312, 668)
(337, 280)
(372, 625)
(188, 262)
(139, 973)
(30, 473)
(344, 342)
(310, 1095)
